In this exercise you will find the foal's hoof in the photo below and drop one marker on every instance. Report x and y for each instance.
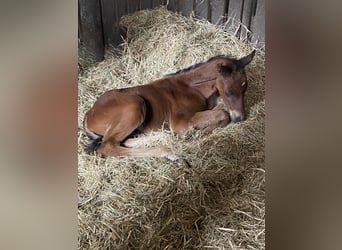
(100, 152)
(168, 154)
(172, 157)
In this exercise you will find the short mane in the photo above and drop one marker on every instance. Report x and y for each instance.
(200, 64)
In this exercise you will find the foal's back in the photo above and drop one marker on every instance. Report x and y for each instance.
(166, 98)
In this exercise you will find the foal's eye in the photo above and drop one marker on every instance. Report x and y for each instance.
(229, 93)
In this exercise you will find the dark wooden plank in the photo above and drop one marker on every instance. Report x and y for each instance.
(133, 5)
(173, 5)
(109, 22)
(146, 4)
(202, 9)
(121, 10)
(247, 13)
(246, 18)
(186, 7)
(258, 24)
(235, 8)
(156, 3)
(112, 11)
(218, 10)
(91, 28)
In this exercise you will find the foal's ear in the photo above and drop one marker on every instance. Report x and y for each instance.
(246, 60)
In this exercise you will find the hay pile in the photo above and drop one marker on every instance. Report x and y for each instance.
(218, 202)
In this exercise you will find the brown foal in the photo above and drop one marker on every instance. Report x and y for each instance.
(180, 100)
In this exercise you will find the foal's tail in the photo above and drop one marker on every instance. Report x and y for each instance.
(94, 144)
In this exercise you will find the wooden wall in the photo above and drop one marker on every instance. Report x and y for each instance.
(99, 19)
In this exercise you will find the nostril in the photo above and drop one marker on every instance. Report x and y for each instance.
(237, 119)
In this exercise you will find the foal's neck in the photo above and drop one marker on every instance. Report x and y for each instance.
(199, 75)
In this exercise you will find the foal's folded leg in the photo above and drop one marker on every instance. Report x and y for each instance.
(208, 120)
(121, 129)
(141, 140)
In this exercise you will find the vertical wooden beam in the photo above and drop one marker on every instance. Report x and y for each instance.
(246, 18)
(258, 24)
(133, 5)
(156, 3)
(146, 4)
(186, 7)
(235, 8)
(109, 22)
(217, 10)
(112, 11)
(202, 9)
(173, 5)
(91, 28)
(122, 9)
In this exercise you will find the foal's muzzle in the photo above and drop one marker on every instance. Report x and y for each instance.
(235, 116)
(237, 119)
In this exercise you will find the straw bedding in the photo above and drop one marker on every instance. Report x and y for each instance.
(215, 202)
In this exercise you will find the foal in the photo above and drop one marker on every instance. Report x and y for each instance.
(181, 100)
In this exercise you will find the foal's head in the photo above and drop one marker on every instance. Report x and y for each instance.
(232, 84)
